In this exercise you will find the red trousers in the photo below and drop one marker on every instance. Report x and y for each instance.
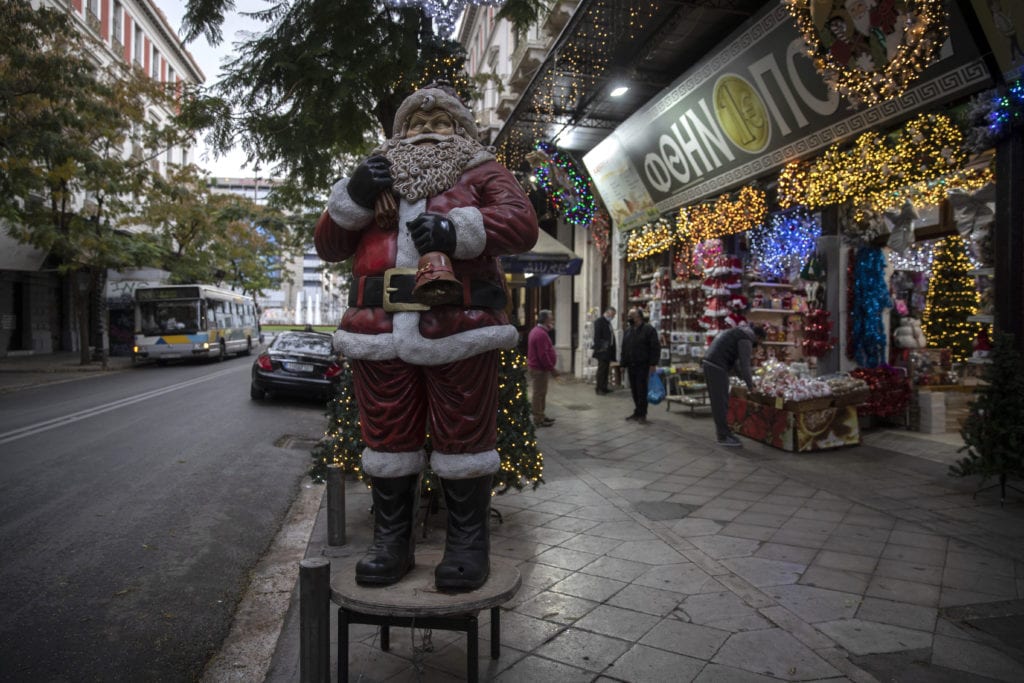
(457, 402)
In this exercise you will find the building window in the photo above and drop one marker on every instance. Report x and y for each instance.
(116, 32)
(154, 68)
(138, 46)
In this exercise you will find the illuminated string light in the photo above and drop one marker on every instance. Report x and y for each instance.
(444, 12)
(784, 242)
(952, 299)
(922, 162)
(923, 26)
(567, 189)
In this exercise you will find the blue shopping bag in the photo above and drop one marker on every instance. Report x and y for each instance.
(655, 389)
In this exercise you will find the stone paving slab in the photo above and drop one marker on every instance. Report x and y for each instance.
(678, 560)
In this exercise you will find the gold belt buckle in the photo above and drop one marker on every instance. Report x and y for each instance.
(390, 307)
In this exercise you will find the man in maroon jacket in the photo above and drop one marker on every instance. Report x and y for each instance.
(430, 188)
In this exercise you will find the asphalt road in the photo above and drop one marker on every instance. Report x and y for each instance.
(133, 507)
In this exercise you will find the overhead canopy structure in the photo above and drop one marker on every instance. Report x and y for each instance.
(548, 259)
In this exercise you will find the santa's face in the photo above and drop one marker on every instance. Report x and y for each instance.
(434, 122)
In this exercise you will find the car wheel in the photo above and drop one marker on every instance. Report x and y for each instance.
(255, 393)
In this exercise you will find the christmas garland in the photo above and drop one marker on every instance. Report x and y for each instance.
(993, 115)
(567, 189)
(853, 69)
(868, 338)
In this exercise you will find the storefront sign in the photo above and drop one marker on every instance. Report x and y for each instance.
(748, 109)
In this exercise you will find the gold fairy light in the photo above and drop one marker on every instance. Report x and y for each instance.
(921, 28)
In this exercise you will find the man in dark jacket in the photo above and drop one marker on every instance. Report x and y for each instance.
(604, 348)
(731, 350)
(641, 352)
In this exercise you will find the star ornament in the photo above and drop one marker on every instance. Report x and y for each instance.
(901, 235)
(972, 210)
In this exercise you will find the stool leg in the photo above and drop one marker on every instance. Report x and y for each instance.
(342, 645)
(472, 651)
(385, 637)
(495, 632)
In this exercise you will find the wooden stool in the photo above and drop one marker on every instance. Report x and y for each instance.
(414, 601)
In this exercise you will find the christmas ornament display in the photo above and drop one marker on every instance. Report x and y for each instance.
(884, 60)
(818, 339)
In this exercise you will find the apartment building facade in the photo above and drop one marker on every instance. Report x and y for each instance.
(36, 314)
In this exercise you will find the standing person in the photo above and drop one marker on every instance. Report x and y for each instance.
(730, 350)
(540, 361)
(641, 352)
(604, 348)
(425, 365)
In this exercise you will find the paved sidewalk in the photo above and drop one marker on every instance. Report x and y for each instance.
(651, 554)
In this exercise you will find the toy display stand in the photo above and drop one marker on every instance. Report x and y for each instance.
(415, 602)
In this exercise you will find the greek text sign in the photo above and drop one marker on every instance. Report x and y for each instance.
(746, 110)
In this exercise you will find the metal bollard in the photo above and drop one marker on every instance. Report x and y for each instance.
(315, 620)
(335, 505)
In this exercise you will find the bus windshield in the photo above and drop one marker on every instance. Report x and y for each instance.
(169, 317)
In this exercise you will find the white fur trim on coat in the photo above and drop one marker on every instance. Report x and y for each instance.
(345, 212)
(407, 343)
(391, 465)
(470, 237)
(465, 465)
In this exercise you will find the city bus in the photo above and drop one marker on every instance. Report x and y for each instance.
(193, 321)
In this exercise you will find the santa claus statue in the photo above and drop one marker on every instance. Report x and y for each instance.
(419, 368)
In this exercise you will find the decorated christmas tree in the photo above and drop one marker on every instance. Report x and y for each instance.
(993, 433)
(952, 297)
(522, 463)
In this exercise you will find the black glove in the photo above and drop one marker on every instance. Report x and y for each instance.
(432, 232)
(371, 177)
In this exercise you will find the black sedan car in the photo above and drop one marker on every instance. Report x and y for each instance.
(296, 363)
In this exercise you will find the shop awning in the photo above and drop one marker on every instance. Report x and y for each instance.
(548, 259)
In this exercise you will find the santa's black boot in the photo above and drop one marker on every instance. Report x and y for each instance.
(466, 564)
(392, 555)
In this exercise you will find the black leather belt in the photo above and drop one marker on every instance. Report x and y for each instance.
(393, 292)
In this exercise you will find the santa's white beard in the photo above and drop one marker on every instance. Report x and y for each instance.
(426, 165)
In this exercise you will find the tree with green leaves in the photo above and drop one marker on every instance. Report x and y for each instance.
(223, 238)
(311, 94)
(993, 433)
(77, 144)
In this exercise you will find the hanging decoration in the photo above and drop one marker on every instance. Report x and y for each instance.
(917, 258)
(782, 244)
(973, 209)
(922, 162)
(653, 238)
(444, 12)
(870, 301)
(600, 231)
(993, 115)
(568, 190)
(792, 184)
(818, 339)
(871, 53)
(901, 235)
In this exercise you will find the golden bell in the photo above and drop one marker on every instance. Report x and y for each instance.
(436, 283)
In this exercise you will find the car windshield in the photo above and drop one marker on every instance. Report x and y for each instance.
(298, 342)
